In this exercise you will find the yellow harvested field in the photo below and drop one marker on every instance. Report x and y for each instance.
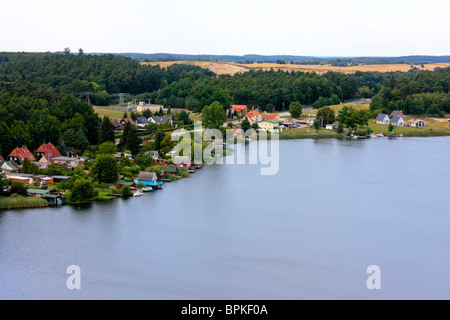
(338, 107)
(233, 68)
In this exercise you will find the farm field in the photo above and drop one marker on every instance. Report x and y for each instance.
(233, 68)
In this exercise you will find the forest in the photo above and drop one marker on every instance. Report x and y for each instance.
(43, 95)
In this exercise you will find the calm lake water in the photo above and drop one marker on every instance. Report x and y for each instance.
(309, 232)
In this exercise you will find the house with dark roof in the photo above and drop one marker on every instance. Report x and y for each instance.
(18, 155)
(161, 120)
(383, 119)
(398, 121)
(141, 121)
(117, 125)
(48, 150)
(124, 121)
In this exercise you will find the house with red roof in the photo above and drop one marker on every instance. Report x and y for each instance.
(18, 155)
(241, 110)
(124, 121)
(270, 116)
(254, 116)
(49, 150)
(399, 113)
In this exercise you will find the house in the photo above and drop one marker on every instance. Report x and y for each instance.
(416, 123)
(270, 116)
(183, 162)
(54, 199)
(398, 121)
(141, 121)
(18, 155)
(70, 162)
(117, 125)
(310, 121)
(161, 120)
(254, 116)
(148, 178)
(383, 119)
(132, 185)
(270, 125)
(49, 150)
(333, 126)
(44, 163)
(58, 179)
(118, 156)
(10, 166)
(22, 177)
(43, 180)
(171, 170)
(241, 110)
(397, 113)
(124, 121)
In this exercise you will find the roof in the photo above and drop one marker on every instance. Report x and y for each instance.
(22, 153)
(45, 159)
(159, 119)
(397, 113)
(253, 113)
(62, 177)
(49, 149)
(239, 107)
(182, 159)
(146, 176)
(381, 117)
(397, 119)
(415, 121)
(141, 120)
(116, 124)
(269, 116)
(38, 191)
(64, 159)
(275, 121)
(125, 120)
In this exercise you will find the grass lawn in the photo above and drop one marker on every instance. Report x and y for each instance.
(111, 112)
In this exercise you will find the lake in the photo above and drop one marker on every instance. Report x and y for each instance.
(335, 208)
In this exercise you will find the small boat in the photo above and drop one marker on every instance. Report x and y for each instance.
(149, 189)
(138, 194)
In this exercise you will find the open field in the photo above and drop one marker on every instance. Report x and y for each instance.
(233, 68)
(111, 112)
(338, 107)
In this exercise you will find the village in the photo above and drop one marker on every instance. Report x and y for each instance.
(53, 172)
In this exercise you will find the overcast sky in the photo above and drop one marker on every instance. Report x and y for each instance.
(315, 27)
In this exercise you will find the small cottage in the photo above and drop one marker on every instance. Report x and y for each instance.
(398, 121)
(383, 119)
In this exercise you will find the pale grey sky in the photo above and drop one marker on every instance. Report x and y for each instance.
(316, 27)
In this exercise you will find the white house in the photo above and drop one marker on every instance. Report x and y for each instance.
(416, 123)
(331, 126)
(398, 121)
(383, 119)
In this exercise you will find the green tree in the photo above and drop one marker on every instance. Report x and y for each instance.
(158, 138)
(4, 183)
(146, 113)
(105, 169)
(245, 124)
(316, 125)
(5, 139)
(107, 148)
(255, 126)
(29, 167)
(126, 191)
(167, 144)
(184, 116)
(18, 187)
(326, 116)
(129, 139)
(82, 190)
(295, 109)
(106, 131)
(213, 116)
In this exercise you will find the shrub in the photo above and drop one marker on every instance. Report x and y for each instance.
(126, 191)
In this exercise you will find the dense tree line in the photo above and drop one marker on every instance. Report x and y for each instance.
(416, 93)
